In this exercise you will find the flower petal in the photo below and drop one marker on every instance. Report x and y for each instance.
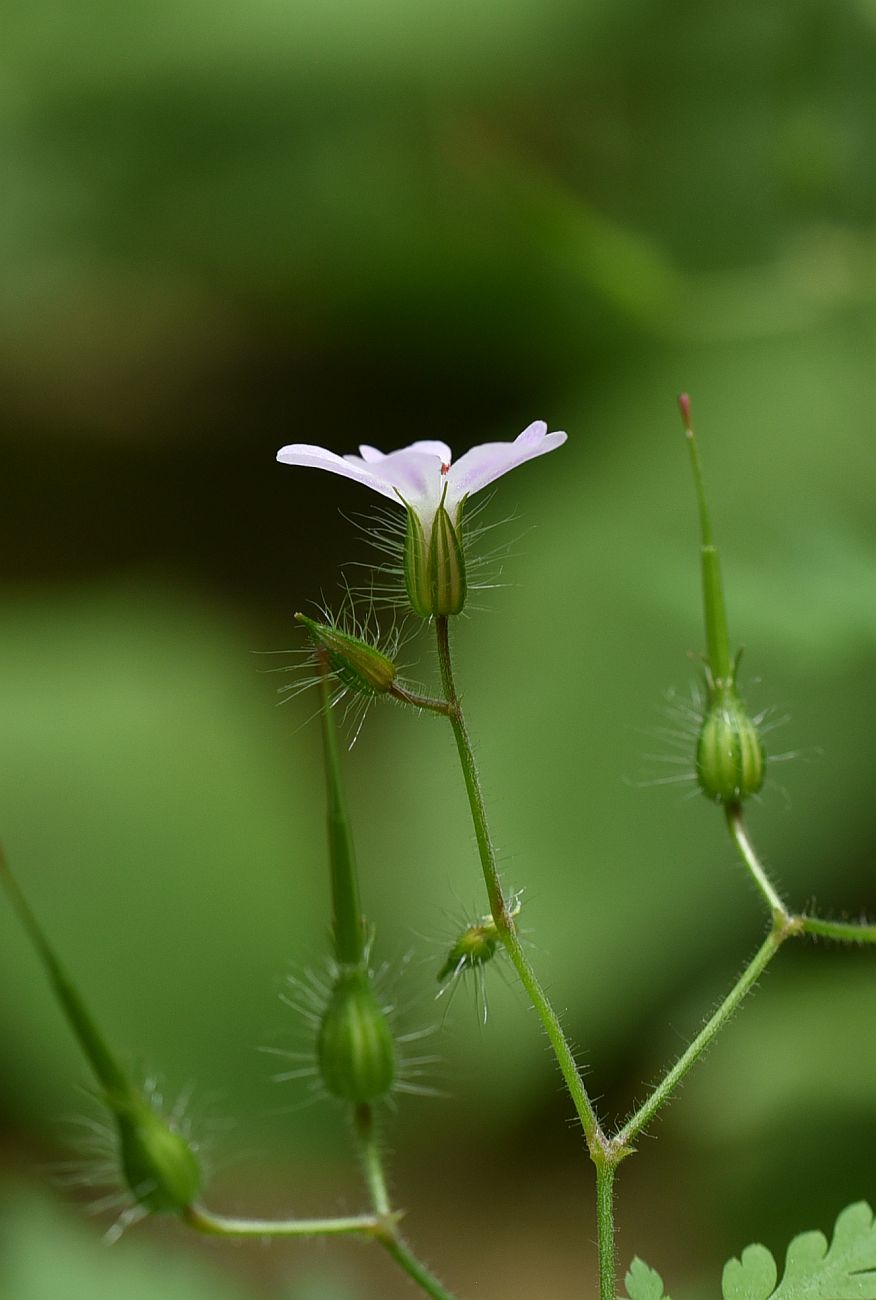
(300, 453)
(483, 465)
(417, 477)
(439, 449)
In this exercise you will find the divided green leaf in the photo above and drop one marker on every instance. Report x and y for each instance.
(643, 1282)
(814, 1270)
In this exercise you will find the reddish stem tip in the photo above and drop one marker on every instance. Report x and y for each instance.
(684, 407)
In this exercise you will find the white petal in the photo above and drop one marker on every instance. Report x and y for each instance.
(370, 453)
(417, 476)
(483, 465)
(439, 449)
(300, 453)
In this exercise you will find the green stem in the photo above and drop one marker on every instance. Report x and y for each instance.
(605, 1172)
(389, 1236)
(505, 923)
(372, 1161)
(102, 1061)
(707, 1034)
(402, 693)
(218, 1225)
(396, 1246)
(349, 932)
(739, 835)
(717, 636)
(845, 931)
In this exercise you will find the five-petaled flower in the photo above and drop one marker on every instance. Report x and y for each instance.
(433, 488)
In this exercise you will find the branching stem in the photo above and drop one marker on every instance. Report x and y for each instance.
(739, 835)
(387, 1234)
(501, 912)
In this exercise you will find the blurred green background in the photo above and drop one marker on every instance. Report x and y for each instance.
(228, 227)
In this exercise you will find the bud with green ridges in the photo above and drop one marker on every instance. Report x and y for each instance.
(359, 665)
(730, 760)
(157, 1163)
(355, 1048)
(435, 578)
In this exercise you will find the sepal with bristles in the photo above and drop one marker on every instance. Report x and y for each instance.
(359, 665)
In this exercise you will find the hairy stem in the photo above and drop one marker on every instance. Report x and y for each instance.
(739, 835)
(707, 1034)
(402, 693)
(498, 906)
(605, 1171)
(218, 1225)
(845, 931)
(388, 1234)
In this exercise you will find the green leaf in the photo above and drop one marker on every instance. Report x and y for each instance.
(750, 1278)
(845, 1270)
(643, 1282)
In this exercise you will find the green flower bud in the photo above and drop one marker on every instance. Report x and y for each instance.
(474, 947)
(435, 578)
(355, 1048)
(158, 1164)
(730, 760)
(359, 665)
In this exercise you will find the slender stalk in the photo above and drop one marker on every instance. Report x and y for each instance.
(388, 1234)
(739, 835)
(372, 1161)
(707, 1034)
(717, 638)
(605, 1172)
(845, 931)
(402, 693)
(398, 1248)
(110, 1074)
(498, 906)
(218, 1225)
(349, 932)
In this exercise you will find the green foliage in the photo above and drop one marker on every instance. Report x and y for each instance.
(844, 1270)
(814, 1270)
(643, 1282)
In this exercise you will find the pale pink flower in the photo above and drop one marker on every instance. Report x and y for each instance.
(423, 475)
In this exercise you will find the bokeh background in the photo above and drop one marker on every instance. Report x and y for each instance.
(226, 227)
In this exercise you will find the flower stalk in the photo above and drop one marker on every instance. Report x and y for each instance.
(348, 927)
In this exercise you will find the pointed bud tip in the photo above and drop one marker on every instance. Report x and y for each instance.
(686, 417)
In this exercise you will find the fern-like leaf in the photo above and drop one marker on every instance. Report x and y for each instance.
(644, 1283)
(814, 1270)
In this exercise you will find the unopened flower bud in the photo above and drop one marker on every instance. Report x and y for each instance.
(158, 1164)
(360, 666)
(475, 946)
(435, 570)
(730, 759)
(355, 1048)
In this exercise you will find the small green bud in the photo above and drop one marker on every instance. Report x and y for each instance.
(730, 759)
(355, 1048)
(158, 1164)
(435, 578)
(474, 947)
(359, 665)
